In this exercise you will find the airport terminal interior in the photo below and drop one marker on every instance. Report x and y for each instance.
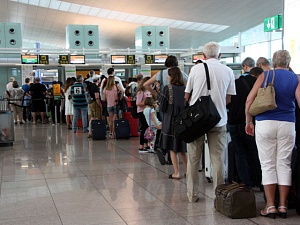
(50, 175)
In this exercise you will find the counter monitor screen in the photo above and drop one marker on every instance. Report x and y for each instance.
(160, 58)
(29, 59)
(77, 59)
(197, 57)
(118, 59)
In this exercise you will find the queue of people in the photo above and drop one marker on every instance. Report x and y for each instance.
(262, 144)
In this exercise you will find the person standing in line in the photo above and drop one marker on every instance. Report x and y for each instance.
(96, 106)
(263, 63)
(38, 93)
(172, 102)
(160, 80)
(68, 103)
(275, 132)
(247, 64)
(141, 95)
(246, 156)
(80, 105)
(16, 95)
(151, 118)
(110, 96)
(222, 87)
(27, 101)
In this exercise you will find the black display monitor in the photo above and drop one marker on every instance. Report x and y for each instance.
(118, 59)
(29, 59)
(160, 59)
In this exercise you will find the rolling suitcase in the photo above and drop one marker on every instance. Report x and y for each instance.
(134, 124)
(98, 129)
(208, 168)
(122, 129)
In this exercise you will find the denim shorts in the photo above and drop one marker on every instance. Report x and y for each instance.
(112, 109)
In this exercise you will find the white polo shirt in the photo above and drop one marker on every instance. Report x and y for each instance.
(222, 83)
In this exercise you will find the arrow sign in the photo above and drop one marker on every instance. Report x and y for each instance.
(273, 23)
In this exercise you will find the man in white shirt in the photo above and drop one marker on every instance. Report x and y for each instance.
(9, 85)
(222, 86)
(110, 72)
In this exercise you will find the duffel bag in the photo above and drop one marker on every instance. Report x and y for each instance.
(235, 201)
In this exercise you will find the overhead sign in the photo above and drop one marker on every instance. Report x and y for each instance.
(130, 59)
(149, 59)
(29, 59)
(63, 59)
(43, 59)
(273, 23)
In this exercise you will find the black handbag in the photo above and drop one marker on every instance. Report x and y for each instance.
(197, 119)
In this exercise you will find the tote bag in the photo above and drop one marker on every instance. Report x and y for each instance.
(197, 119)
(265, 98)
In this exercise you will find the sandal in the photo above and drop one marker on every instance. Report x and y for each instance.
(269, 214)
(33, 123)
(281, 213)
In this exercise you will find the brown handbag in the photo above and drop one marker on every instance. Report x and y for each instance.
(235, 201)
(265, 98)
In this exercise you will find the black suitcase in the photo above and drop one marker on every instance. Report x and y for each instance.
(98, 129)
(122, 129)
(232, 171)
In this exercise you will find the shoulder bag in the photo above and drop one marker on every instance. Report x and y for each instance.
(149, 134)
(197, 119)
(265, 98)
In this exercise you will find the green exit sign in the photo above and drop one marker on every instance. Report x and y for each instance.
(273, 23)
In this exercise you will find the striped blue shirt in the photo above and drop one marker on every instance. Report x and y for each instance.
(78, 96)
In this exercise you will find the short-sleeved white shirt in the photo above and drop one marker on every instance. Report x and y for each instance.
(222, 83)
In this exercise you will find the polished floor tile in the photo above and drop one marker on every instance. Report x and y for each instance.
(53, 176)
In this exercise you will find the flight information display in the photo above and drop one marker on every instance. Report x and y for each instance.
(118, 59)
(29, 59)
(77, 59)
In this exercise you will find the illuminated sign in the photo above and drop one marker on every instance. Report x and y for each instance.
(77, 59)
(130, 59)
(63, 59)
(197, 57)
(43, 59)
(160, 58)
(29, 59)
(149, 59)
(118, 59)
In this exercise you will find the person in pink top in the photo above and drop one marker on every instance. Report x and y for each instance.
(110, 95)
(141, 95)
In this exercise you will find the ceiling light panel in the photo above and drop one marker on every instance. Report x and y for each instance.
(122, 16)
(54, 5)
(33, 2)
(159, 21)
(131, 18)
(103, 13)
(65, 6)
(94, 12)
(112, 15)
(150, 20)
(176, 24)
(84, 10)
(140, 19)
(44, 3)
(74, 8)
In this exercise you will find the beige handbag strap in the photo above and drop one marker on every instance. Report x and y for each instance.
(266, 80)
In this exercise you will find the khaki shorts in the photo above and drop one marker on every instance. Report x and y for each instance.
(95, 109)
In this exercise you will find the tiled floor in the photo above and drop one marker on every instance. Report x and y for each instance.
(52, 176)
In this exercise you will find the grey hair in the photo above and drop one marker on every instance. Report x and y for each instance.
(281, 58)
(248, 62)
(262, 61)
(79, 78)
(211, 50)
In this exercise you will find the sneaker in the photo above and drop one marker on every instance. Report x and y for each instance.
(151, 151)
(143, 150)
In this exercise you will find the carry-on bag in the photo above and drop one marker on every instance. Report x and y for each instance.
(197, 119)
(235, 201)
(98, 129)
(134, 124)
(122, 129)
(207, 163)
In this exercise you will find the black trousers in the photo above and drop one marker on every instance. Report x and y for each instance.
(143, 127)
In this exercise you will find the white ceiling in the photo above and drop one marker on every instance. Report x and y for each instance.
(192, 22)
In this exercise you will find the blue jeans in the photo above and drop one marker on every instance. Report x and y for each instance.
(246, 155)
(84, 113)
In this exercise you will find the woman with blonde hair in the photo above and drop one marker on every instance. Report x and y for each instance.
(110, 95)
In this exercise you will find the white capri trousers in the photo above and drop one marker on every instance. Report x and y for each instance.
(275, 141)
